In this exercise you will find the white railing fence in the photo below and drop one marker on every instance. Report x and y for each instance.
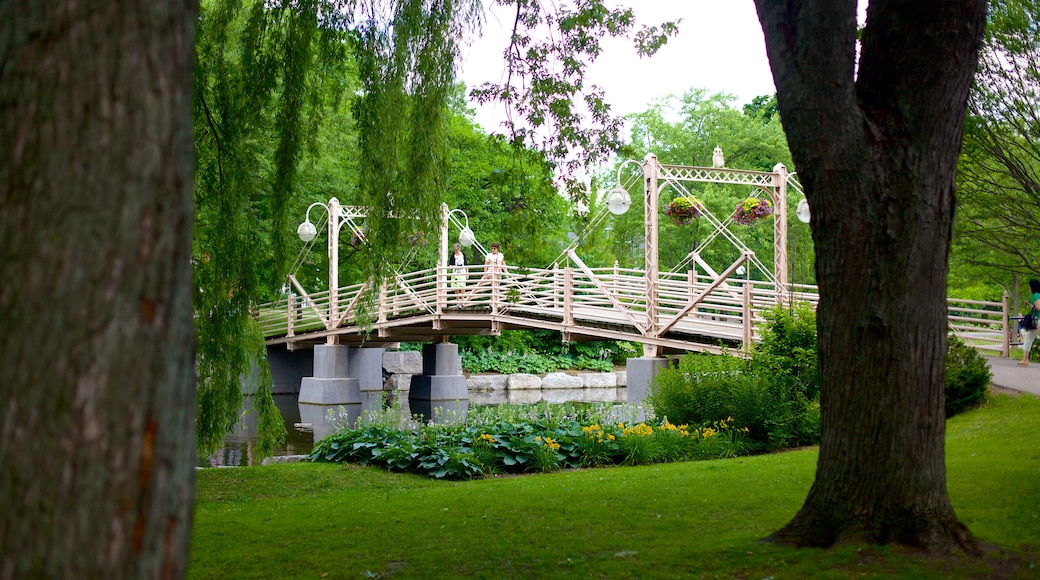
(699, 307)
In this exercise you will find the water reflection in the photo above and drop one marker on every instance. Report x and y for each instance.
(239, 444)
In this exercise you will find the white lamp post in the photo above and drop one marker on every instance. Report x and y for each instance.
(466, 236)
(307, 232)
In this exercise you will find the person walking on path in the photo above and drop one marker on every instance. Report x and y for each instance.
(1029, 334)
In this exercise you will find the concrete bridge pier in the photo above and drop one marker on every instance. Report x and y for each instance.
(640, 371)
(440, 392)
(366, 364)
(346, 377)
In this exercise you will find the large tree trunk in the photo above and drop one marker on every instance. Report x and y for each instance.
(96, 335)
(877, 156)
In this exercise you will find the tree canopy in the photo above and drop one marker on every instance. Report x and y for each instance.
(998, 184)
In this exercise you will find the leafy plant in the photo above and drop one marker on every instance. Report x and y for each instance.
(519, 439)
(967, 377)
(638, 444)
(774, 393)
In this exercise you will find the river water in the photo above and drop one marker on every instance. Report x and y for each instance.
(238, 445)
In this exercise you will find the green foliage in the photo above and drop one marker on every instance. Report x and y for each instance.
(774, 394)
(787, 352)
(406, 64)
(260, 76)
(550, 50)
(967, 377)
(507, 192)
(998, 172)
(516, 439)
(539, 352)
(763, 108)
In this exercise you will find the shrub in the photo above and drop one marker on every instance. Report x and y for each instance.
(774, 394)
(704, 388)
(967, 376)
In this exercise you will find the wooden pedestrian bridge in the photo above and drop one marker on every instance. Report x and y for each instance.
(691, 312)
(698, 308)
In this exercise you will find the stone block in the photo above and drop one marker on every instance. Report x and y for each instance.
(524, 382)
(438, 388)
(486, 383)
(398, 383)
(598, 380)
(366, 365)
(440, 398)
(487, 389)
(640, 371)
(561, 381)
(402, 362)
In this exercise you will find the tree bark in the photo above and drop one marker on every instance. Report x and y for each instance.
(96, 335)
(876, 154)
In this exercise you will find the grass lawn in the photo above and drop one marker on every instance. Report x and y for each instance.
(679, 520)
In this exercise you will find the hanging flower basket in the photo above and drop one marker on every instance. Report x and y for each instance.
(357, 240)
(751, 210)
(683, 210)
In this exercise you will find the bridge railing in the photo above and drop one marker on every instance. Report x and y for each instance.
(981, 324)
(731, 310)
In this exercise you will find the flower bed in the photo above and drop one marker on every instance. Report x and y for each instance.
(512, 439)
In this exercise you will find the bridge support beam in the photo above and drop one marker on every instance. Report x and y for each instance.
(440, 392)
(346, 377)
(366, 365)
(640, 371)
(331, 387)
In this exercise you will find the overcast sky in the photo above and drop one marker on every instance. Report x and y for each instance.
(719, 47)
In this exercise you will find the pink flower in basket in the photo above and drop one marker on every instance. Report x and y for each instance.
(683, 210)
(751, 210)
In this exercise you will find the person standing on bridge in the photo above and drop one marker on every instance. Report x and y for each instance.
(495, 262)
(494, 266)
(1029, 334)
(458, 270)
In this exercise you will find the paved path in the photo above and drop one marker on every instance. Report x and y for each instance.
(1007, 374)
